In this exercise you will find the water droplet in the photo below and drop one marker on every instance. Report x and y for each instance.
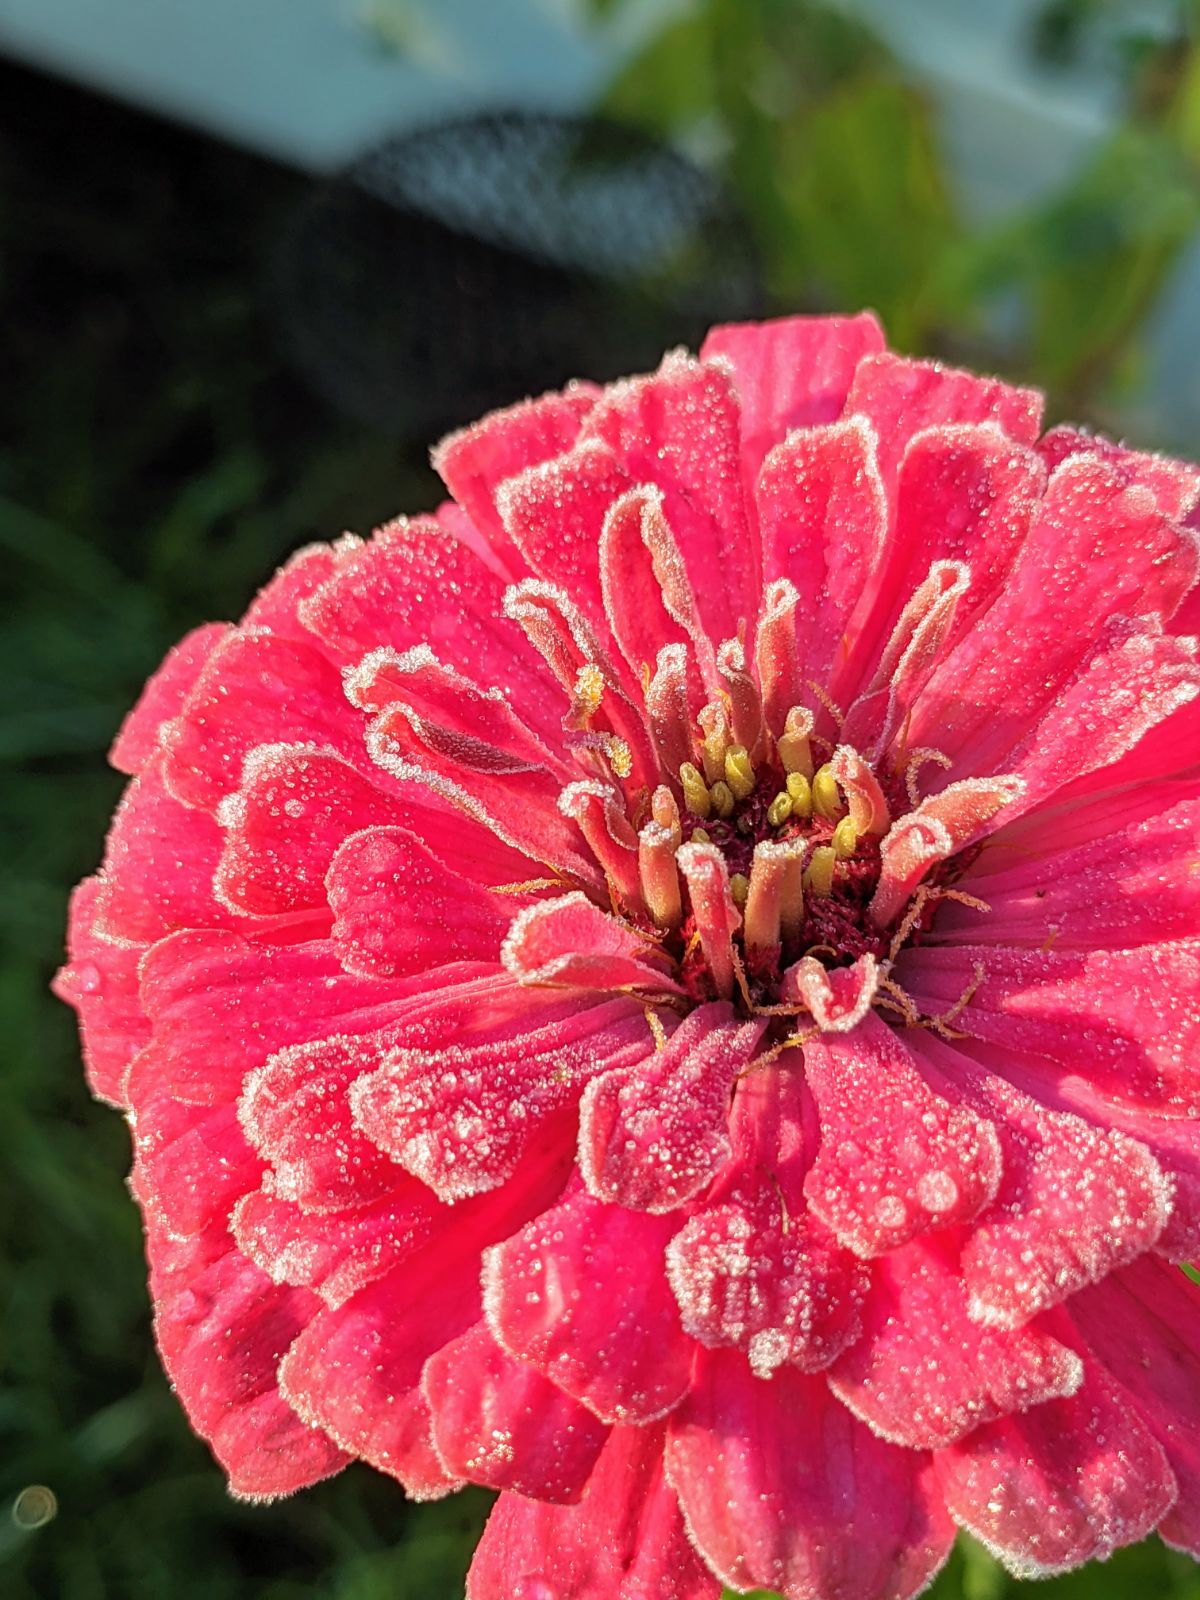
(536, 1588)
(937, 1192)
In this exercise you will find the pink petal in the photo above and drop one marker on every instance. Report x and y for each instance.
(603, 700)
(1084, 1203)
(637, 617)
(1171, 1143)
(462, 1115)
(256, 688)
(1096, 549)
(1162, 743)
(878, 717)
(569, 942)
(295, 806)
(823, 514)
(416, 583)
(1123, 1018)
(500, 1423)
(221, 1005)
(940, 827)
(1136, 690)
(923, 1374)
(450, 713)
(136, 743)
(624, 1541)
(901, 397)
(355, 1370)
(792, 372)
(653, 1136)
(1066, 1482)
(554, 513)
(1133, 882)
(222, 1328)
(158, 867)
(334, 1253)
(399, 910)
(101, 981)
(776, 1286)
(277, 606)
(192, 1163)
(896, 1160)
(782, 1489)
(475, 461)
(517, 807)
(679, 429)
(966, 494)
(837, 998)
(1074, 1201)
(296, 1112)
(1175, 485)
(1141, 1323)
(581, 1294)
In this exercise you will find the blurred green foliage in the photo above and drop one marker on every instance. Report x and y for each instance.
(833, 152)
(157, 464)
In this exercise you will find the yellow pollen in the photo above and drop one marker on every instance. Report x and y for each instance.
(722, 799)
(827, 800)
(589, 691)
(845, 839)
(794, 750)
(714, 725)
(800, 793)
(695, 791)
(701, 836)
(529, 886)
(620, 756)
(739, 771)
(818, 880)
(739, 888)
(779, 810)
(666, 813)
(654, 1023)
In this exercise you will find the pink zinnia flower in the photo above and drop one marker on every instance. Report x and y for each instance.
(669, 987)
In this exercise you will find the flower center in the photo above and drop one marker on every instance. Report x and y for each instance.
(801, 873)
(771, 873)
(772, 860)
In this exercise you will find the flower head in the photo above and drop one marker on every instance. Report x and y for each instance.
(669, 987)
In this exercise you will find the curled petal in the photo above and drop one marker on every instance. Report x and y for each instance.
(838, 998)
(625, 1540)
(654, 1136)
(571, 943)
(1089, 1456)
(777, 1287)
(939, 828)
(498, 1422)
(580, 1294)
(923, 1374)
(896, 1160)
(767, 1470)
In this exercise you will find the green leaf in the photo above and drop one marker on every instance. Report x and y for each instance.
(671, 84)
(868, 210)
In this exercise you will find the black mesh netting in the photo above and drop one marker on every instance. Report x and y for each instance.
(463, 266)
